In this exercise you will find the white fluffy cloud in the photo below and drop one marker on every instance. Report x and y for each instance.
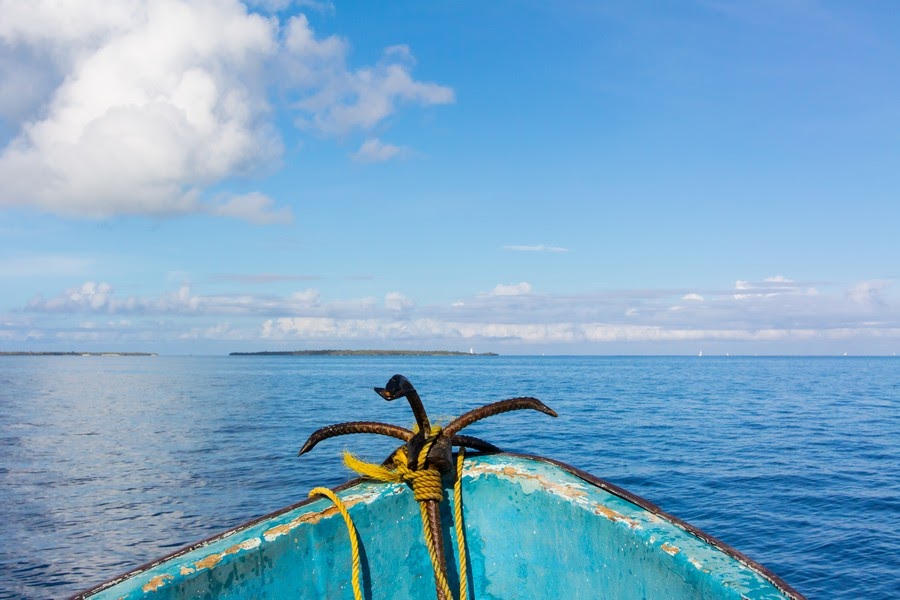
(139, 106)
(281, 5)
(374, 150)
(93, 297)
(156, 102)
(397, 302)
(337, 100)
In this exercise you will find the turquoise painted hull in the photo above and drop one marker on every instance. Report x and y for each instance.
(535, 529)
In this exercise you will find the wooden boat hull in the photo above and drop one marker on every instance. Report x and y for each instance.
(535, 528)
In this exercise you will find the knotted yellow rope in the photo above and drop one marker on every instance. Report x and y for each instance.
(351, 529)
(426, 485)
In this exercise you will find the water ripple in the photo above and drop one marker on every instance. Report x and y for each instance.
(109, 463)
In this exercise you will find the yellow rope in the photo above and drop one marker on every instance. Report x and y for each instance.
(460, 528)
(351, 530)
(430, 488)
(426, 485)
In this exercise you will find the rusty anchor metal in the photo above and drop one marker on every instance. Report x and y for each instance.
(440, 452)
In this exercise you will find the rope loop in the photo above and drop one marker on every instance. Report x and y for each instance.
(351, 531)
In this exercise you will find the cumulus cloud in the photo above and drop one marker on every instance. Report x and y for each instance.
(157, 102)
(99, 298)
(282, 5)
(310, 297)
(374, 150)
(397, 302)
(138, 107)
(338, 100)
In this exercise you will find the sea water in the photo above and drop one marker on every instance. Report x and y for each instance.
(109, 462)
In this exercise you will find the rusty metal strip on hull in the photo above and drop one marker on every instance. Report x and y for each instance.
(777, 581)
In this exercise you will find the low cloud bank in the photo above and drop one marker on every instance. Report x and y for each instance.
(512, 315)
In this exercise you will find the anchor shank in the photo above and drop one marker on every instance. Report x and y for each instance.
(415, 403)
(433, 511)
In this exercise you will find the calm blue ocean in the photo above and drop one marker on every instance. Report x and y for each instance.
(106, 463)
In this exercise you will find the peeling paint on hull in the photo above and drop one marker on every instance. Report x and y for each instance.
(531, 524)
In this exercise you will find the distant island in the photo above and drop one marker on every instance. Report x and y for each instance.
(78, 354)
(361, 353)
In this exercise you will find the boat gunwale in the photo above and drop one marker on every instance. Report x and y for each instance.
(611, 488)
(207, 541)
(652, 508)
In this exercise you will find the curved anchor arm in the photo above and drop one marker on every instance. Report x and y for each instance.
(355, 427)
(474, 443)
(495, 409)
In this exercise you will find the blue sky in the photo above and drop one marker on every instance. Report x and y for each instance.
(517, 177)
